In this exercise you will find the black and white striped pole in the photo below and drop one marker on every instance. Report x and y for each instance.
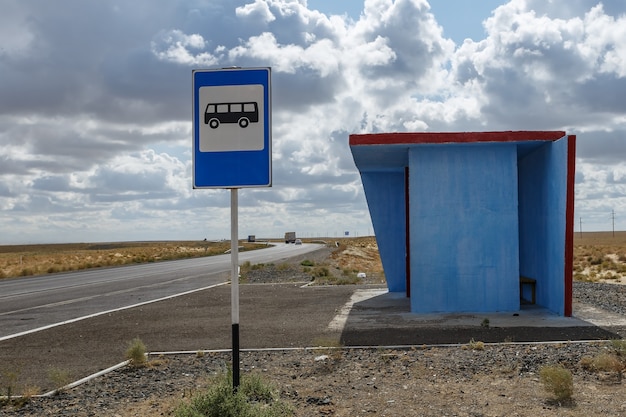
(234, 282)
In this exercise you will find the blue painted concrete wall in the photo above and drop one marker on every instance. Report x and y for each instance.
(384, 192)
(464, 227)
(542, 196)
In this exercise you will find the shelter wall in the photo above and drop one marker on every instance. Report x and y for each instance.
(384, 192)
(464, 228)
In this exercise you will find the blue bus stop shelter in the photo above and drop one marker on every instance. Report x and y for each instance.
(472, 222)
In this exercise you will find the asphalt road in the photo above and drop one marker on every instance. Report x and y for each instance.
(29, 304)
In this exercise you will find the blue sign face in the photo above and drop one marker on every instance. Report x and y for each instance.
(232, 128)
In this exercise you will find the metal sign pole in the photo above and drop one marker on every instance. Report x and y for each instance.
(234, 282)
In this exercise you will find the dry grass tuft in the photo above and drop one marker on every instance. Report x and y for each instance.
(136, 353)
(557, 380)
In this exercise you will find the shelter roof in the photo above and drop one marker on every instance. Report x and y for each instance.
(389, 151)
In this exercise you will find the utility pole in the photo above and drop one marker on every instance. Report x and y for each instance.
(581, 227)
(613, 219)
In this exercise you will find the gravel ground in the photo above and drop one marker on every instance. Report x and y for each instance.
(610, 297)
(429, 381)
(498, 380)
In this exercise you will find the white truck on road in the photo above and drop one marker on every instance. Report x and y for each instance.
(290, 237)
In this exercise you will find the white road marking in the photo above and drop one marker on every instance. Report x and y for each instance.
(340, 320)
(92, 297)
(74, 320)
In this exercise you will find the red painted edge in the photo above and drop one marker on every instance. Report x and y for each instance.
(569, 224)
(452, 137)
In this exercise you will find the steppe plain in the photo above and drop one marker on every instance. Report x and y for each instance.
(334, 380)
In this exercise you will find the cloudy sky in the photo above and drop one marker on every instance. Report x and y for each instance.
(95, 104)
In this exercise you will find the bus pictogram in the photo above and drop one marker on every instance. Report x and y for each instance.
(242, 113)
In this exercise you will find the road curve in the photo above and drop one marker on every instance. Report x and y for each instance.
(28, 304)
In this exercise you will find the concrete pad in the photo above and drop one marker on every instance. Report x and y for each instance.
(375, 308)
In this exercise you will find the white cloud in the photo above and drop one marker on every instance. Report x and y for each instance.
(259, 10)
(95, 132)
(174, 46)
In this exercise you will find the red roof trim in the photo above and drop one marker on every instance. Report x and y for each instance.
(452, 137)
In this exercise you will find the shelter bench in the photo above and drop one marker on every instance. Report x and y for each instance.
(533, 287)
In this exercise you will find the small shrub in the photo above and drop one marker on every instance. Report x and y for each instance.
(283, 266)
(586, 362)
(348, 280)
(9, 379)
(320, 272)
(253, 398)
(136, 353)
(558, 381)
(256, 389)
(603, 362)
(476, 345)
(246, 266)
(606, 362)
(59, 378)
(485, 323)
(619, 347)
(306, 262)
(258, 266)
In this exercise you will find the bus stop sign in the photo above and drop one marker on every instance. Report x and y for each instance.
(232, 144)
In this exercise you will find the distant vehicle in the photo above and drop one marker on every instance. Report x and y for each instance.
(251, 238)
(298, 242)
(290, 237)
(242, 113)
